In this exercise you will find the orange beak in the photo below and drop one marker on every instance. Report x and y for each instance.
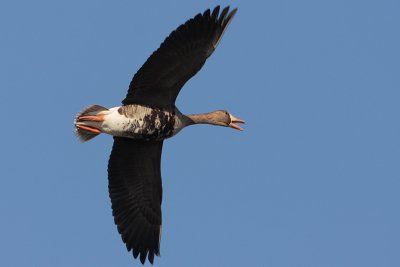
(235, 120)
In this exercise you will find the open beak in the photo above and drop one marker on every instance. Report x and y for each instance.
(235, 120)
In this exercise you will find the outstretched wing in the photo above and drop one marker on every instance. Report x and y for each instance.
(135, 190)
(180, 57)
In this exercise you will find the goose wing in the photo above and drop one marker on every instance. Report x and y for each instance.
(135, 190)
(179, 57)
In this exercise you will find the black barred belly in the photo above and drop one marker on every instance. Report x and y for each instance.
(154, 124)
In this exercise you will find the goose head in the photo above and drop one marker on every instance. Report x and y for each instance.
(218, 117)
(224, 118)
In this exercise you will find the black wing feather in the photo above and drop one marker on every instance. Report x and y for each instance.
(135, 190)
(180, 57)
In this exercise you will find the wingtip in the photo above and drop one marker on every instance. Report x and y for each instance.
(143, 255)
(233, 12)
(229, 17)
(223, 14)
(215, 12)
(224, 20)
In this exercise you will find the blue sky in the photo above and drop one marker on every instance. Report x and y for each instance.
(313, 180)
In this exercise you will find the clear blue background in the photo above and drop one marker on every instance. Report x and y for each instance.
(313, 180)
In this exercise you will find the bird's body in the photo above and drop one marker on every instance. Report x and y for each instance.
(137, 122)
(148, 116)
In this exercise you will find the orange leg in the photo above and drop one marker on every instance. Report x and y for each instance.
(91, 118)
(89, 129)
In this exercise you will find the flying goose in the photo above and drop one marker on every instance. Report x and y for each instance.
(148, 116)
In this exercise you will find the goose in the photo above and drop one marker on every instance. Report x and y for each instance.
(148, 116)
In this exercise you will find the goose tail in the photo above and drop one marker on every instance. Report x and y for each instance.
(85, 122)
